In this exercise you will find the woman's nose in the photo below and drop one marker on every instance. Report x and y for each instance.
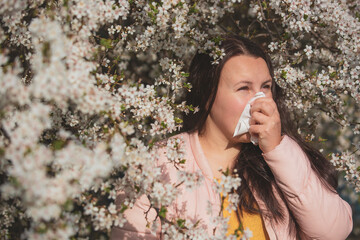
(253, 94)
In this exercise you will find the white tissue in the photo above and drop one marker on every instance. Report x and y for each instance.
(244, 121)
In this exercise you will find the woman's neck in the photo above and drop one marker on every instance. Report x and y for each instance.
(219, 151)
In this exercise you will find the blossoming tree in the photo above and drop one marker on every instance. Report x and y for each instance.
(89, 86)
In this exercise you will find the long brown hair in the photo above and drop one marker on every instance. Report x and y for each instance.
(204, 78)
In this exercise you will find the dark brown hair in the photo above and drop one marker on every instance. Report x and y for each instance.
(204, 78)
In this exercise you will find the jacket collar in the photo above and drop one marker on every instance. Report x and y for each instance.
(199, 155)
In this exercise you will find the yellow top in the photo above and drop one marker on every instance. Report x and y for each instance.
(252, 221)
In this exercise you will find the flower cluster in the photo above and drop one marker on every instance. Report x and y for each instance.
(346, 162)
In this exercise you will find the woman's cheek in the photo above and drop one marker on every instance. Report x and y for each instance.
(235, 114)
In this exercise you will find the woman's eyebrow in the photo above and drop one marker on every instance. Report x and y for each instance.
(242, 82)
(267, 81)
(250, 82)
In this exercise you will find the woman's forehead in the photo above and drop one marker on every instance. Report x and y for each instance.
(245, 69)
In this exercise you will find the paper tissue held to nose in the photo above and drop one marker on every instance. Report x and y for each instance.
(244, 121)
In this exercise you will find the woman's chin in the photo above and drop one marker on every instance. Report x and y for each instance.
(243, 138)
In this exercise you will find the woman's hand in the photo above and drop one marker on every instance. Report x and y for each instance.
(265, 123)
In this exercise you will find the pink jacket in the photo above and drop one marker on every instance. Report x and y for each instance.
(320, 213)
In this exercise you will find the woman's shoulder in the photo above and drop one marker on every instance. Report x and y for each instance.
(174, 149)
(174, 154)
(184, 136)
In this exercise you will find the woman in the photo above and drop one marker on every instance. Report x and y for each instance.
(287, 189)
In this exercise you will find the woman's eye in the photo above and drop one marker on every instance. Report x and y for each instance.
(267, 86)
(243, 88)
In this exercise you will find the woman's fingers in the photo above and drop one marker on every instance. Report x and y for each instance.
(266, 106)
(255, 129)
(258, 118)
(260, 130)
(265, 123)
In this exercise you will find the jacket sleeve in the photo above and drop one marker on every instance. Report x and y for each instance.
(136, 224)
(321, 214)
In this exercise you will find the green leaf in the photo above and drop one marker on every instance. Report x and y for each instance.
(283, 74)
(153, 8)
(333, 74)
(181, 223)
(107, 43)
(180, 4)
(58, 144)
(217, 39)
(107, 189)
(162, 212)
(314, 73)
(28, 151)
(14, 181)
(177, 120)
(264, 4)
(163, 124)
(2, 152)
(187, 86)
(184, 74)
(182, 161)
(357, 15)
(68, 205)
(123, 208)
(41, 228)
(286, 36)
(193, 9)
(197, 223)
(105, 130)
(46, 50)
(66, 3)
(190, 107)
(239, 230)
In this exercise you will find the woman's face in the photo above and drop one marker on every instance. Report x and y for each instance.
(240, 79)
